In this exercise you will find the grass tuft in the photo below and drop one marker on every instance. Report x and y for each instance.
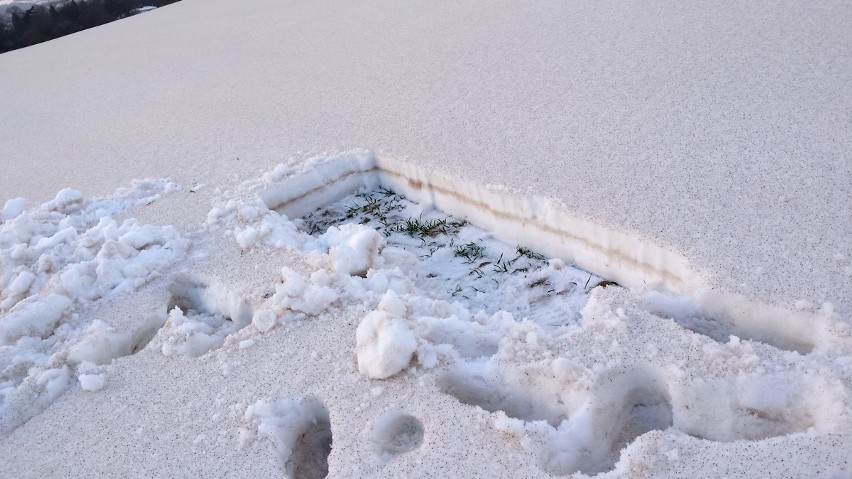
(530, 254)
(470, 252)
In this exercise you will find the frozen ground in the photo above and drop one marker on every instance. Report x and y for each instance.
(204, 324)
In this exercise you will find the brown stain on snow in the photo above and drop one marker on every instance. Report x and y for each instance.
(561, 234)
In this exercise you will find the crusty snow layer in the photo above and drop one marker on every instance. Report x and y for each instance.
(251, 344)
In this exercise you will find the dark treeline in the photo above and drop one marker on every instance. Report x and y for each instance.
(22, 28)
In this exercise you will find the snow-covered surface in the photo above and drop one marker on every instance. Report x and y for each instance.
(722, 132)
(695, 153)
(378, 337)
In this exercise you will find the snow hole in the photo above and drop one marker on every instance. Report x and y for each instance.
(397, 433)
(309, 459)
(687, 314)
(492, 393)
(200, 317)
(300, 431)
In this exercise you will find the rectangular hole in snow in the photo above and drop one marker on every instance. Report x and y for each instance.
(542, 225)
(451, 259)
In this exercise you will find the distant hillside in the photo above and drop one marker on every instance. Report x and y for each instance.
(26, 23)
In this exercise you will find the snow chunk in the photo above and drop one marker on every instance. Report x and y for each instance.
(264, 320)
(92, 382)
(354, 248)
(12, 209)
(101, 345)
(196, 332)
(35, 317)
(392, 304)
(255, 223)
(21, 284)
(296, 294)
(65, 200)
(385, 344)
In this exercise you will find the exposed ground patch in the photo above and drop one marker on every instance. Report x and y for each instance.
(548, 227)
(441, 278)
(450, 259)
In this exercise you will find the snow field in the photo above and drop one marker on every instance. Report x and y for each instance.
(497, 346)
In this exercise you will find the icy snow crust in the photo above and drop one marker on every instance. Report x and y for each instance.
(299, 329)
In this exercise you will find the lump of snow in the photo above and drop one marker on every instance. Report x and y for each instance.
(92, 382)
(255, 223)
(292, 283)
(296, 294)
(12, 209)
(247, 237)
(138, 238)
(196, 333)
(354, 249)
(35, 317)
(264, 320)
(392, 304)
(384, 345)
(101, 345)
(21, 284)
(130, 255)
(64, 200)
